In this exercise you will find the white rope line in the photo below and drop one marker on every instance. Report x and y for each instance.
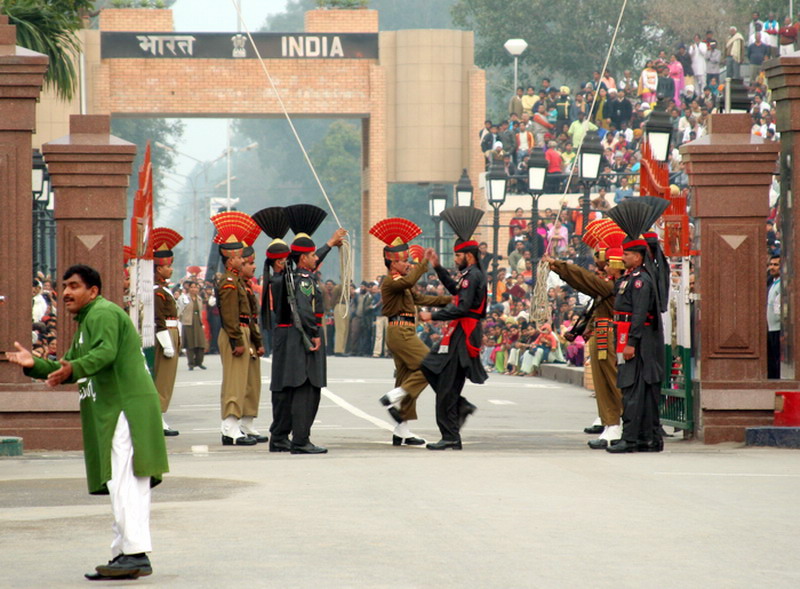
(539, 298)
(346, 257)
(285, 112)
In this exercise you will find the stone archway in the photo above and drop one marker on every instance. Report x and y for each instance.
(419, 95)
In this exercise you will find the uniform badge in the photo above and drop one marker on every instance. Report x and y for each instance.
(306, 287)
(229, 278)
(637, 284)
(465, 283)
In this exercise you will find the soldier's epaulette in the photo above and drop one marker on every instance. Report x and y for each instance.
(224, 286)
(161, 294)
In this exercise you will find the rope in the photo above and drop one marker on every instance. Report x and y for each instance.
(539, 311)
(346, 258)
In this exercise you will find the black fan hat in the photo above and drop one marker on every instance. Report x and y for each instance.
(304, 219)
(463, 221)
(273, 222)
(658, 205)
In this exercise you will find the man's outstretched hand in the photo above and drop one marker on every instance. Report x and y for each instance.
(432, 257)
(61, 375)
(337, 238)
(22, 357)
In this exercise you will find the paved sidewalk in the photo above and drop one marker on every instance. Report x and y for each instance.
(525, 504)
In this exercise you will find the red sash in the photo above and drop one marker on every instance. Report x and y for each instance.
(468, 325)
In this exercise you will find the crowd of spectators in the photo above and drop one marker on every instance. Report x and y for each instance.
(44, 312)
(688, 83)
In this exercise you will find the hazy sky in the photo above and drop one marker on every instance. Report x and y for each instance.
(220, 15)
(204, 139)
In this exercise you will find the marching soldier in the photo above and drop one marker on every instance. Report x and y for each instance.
(399, 305)
(234, 337)
(297, 299)
(458, 355)
(606, 238)
(166, 319)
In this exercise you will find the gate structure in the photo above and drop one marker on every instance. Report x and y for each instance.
(418, 94)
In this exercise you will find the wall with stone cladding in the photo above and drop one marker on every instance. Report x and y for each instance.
(341, 21)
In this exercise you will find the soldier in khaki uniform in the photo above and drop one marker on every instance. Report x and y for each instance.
(234, 337)
(252, 395)
(166, 319)
(606, 238)
(399, 306)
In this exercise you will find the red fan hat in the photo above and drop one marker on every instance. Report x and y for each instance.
(163, 239)
(233, 227)
(416, 253)
(395, 232)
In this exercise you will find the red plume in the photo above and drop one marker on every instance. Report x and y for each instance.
(233, 226)
(416, 252)
(389, 231)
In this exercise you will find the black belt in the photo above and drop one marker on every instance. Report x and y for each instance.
(622, 316)
(244, 319)
(403, 317)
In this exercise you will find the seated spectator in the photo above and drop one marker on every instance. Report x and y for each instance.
(539, 351)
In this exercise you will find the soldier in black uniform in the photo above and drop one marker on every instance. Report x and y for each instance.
(640, 351)
(298, 361)
(457, 357)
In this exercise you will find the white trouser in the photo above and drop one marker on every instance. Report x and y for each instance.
(380, 329)
(130, 496)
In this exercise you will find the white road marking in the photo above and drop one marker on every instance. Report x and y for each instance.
(729, 474)
(501, 402)
(330, 395)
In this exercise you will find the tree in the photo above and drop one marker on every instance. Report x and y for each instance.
(48, 27)
(139, 132)
(394, 15)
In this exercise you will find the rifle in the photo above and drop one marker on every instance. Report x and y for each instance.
(292, 298)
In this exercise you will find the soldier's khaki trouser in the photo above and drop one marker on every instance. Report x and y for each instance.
(166, 369)
(234, 375)
(604, 373)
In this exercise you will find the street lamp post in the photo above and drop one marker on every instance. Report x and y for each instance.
(496, 186)
(537, 171)
(40, 190)
(590, 158)
(437, 202)
(658, 131)
(463, 191)
(515, 48)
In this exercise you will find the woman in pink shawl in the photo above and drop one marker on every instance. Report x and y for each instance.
(676, 73)
(557, 239)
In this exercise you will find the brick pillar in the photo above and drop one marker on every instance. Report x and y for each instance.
(477, 114)
(89, 171)
(784, 80)
(21, 78)
(44, 418)
(730, 173)
(374, 175)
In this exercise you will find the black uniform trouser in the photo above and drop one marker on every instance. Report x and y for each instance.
(294, 410)
(449, 405)
(640, 419)
(773, 354)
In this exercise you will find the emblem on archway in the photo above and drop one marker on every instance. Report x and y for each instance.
(239, 42)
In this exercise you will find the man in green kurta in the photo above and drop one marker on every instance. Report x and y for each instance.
(123, 440)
